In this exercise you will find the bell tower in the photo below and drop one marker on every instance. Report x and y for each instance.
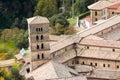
(38, 40)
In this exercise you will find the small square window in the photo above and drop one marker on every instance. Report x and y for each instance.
(96, 19)
(95, 13)
(95, 64)
(112, 12)
(83, 62)
(103, 65)
(113, 50)
(91, 64)
(117, 66)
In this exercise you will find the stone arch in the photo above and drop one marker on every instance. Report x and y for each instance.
(36, 29)
(37, 37)
(41, 29)
(42, 55)
(37, 46)
(38, 56)
(28, 70)
(41, 37)
(42, 46)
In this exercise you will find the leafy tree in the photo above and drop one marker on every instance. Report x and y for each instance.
(6, 74)
(60, 18)
(16, 35)
(17, 9)
(2, 78)
(46, 8)
(60, 30)
(15, 72)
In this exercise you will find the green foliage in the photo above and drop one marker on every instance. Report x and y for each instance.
(16, 35)
(7, 50)
(60, 30)
(5, 73)
(60, 18)
(46, 8)
(11, 40)
(81, 6)
(12, 74)
(17, 9)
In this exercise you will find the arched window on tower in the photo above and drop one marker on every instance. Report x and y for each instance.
(42, 55)
(36, 29)
(38, 56)
(37, 46)
(41, 37)
(41, 29)
(42, 46)
(37, 37)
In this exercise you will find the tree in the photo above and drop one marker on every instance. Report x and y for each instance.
(5, 74)
(60, 18)
(17, 9)
(46, 8)
(15, 72)
(16, 35)
(81, 5)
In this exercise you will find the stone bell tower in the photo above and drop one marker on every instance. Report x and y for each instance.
(38, 40)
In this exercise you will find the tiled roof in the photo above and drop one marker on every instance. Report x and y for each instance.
(104, 74)
(83, 68)
(100, 43)
(51, 70)
(18, 56)
(105, 55)
(100, 5)
(37, 20)
(118, 10)
(72, 78)
(114, 6)
(93, 30)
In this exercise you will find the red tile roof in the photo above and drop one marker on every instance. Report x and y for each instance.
(118, 10)
(114, 6)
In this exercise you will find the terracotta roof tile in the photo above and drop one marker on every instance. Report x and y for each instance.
(114, 6)
(51, 70)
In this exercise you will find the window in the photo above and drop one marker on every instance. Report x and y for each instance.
(41, 37)
(91, 64)
(41, 29)
(95, 13)
(113, 50)
(83, 62)
(108, 65)
(38, 56)
(28, 70)
(95, 64)
(96, 19)
(37, 46)
(87, 47)
(117, 66)
(42, 55)
(37, 38)
(42, 46)
(103, 65)
(112, 12)
(36, 29)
